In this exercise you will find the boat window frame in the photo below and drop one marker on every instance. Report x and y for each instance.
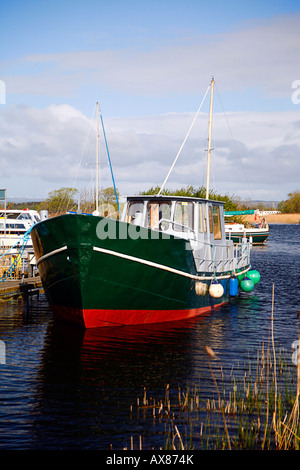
(129, 218)
(201, 221)
(216, 218)
(24, 216)
(162, 223)
(210, 218)
(181, 226)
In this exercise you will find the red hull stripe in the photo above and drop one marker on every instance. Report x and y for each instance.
(97, 318)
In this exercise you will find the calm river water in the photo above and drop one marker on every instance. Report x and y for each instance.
(66, 389)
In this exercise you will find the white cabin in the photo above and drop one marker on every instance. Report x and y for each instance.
(199, 221)
(14, 223)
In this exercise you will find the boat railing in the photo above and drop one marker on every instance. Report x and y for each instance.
(171, 223)
(208, 256)
(222, 258)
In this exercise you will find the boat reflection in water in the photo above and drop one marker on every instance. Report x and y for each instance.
(90, 380)
(158, 352)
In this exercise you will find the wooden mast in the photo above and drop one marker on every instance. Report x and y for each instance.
(97, 162)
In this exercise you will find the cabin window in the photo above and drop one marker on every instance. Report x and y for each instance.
(217, 222)
(15, 226)
(200, 227)
(135, 212)
(211, 227)
(24, 216)
(159, 215)
(8, 215)
(184, 216)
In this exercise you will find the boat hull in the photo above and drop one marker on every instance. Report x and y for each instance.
(99, 318)
(258, 237)
(128, 277)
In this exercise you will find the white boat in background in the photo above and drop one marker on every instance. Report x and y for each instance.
(16, 249)
(14, 223)
(257, 234)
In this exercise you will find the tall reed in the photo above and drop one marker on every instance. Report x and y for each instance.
(258, 409)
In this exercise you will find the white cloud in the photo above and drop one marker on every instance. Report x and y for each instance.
(44, 149)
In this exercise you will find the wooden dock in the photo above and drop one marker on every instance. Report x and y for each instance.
(27, 286)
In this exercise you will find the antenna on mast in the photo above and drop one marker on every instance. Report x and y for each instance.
(209, 137)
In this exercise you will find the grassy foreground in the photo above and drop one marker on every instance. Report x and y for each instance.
(253, 408)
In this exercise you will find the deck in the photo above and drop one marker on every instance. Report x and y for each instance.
(26, 286)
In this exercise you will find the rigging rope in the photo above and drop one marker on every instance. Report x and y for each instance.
(26, 237)
(176, 158)
(111, 170)
(235, 146)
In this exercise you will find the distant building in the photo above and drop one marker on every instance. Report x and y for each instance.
(262, 213)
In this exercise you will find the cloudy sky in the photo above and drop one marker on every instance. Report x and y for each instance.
(149, 64)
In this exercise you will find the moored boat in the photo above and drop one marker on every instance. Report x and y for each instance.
(257, 233)
(14, 223)
(16, 249)
(166, 259)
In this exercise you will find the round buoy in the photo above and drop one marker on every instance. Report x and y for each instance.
(233, 286)
(201, 288)
(247, 284)
(254, 276)
(216, 290)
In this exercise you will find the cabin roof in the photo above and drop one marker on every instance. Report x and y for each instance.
(147, 197)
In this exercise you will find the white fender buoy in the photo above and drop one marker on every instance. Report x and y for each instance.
(216, 290)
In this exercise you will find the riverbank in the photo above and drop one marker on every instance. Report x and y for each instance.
(277, 218)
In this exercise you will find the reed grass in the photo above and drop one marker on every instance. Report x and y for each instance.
(255, 408)
(276, 218)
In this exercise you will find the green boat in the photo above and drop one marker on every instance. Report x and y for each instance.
(165, 259)
(257, 234)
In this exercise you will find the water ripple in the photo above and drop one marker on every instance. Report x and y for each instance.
(62, 388)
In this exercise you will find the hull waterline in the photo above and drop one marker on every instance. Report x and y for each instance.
(258, 238)
(97, 318)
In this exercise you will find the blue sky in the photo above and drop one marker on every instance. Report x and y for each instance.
(149, 63)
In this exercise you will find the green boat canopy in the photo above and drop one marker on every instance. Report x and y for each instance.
(239, 212)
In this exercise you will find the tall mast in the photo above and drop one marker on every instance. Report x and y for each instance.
(97, 161)
(209, 137)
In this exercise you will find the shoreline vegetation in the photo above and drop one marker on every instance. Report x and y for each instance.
(276, 218)
(70, 199)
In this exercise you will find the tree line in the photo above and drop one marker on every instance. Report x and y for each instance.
(60, 201)
(70, 199)
(291, 205)
(190, 191)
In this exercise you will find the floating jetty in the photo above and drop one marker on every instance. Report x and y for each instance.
(27, 287)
